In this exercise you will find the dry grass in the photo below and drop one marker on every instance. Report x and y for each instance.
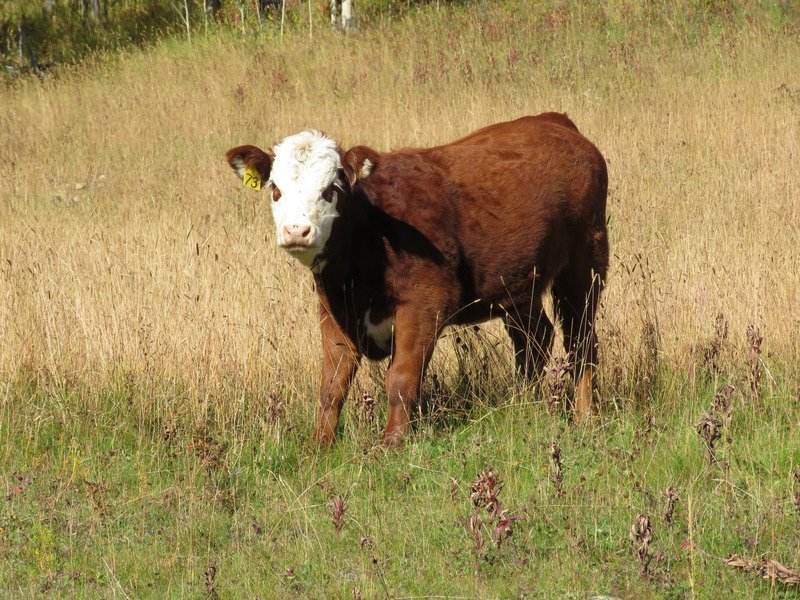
(158, 354)
(128, 251)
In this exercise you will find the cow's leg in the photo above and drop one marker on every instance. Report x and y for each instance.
(339, 364)
(532, 335)
(414, 339)
(577, 293)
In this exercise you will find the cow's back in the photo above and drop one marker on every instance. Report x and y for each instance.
(503, 205)
(532, 191)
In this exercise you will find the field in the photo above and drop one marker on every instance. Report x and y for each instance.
(159, 354)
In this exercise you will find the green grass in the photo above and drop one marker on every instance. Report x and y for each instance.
(101, 500)
(147, 318)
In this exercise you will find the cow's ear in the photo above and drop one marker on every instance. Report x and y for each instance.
(251, 164)
(358, 163)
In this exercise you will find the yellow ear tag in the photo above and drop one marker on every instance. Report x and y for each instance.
(251, 179)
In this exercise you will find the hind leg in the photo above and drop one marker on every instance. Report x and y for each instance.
(576, 293)
(532, 336)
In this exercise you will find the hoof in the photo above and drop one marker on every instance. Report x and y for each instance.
(325, 439)
(393, 439)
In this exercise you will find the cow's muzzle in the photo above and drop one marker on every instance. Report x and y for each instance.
(296, 236)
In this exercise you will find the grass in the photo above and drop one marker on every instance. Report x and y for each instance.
(104, 499)
(158, 365)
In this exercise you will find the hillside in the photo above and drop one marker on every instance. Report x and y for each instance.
(159, 365)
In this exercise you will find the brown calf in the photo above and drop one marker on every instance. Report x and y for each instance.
(404, 243)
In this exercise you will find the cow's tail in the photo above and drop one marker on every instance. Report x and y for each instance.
(599, 237)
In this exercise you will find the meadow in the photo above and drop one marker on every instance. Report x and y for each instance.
(159, 353)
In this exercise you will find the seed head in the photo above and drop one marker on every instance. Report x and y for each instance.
(723, 404)
(503, 527)
(556, 468)
(710, 429)
(754, 340)
(712, 352)
(338, 508)
(641, 535)
(474, 525)
(672, 500)
(557, 382)
(276, 409)
(210, 579)
(454, 489)
(366, 409)
(485, 490)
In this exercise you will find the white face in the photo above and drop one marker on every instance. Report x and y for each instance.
(302, 196)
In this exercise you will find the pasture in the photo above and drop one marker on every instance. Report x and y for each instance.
(159, 354)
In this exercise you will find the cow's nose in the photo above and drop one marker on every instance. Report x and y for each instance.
(296, 234)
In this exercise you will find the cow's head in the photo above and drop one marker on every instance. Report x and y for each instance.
(305, 177)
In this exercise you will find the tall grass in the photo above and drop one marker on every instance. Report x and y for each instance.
(142, 294)
(128, 248)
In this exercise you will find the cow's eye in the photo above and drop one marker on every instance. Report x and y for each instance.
(330, 193)
(276, 193)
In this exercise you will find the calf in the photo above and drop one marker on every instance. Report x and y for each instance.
(404, 243)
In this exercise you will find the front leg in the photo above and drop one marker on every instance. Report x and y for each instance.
(340, 360)
(415, 336)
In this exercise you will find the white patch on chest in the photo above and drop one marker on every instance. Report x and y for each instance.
(380, 333)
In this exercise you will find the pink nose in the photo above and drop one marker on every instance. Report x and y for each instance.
(296, 234)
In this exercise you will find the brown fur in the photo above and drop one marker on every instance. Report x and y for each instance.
(461, 233)
(250, 156)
